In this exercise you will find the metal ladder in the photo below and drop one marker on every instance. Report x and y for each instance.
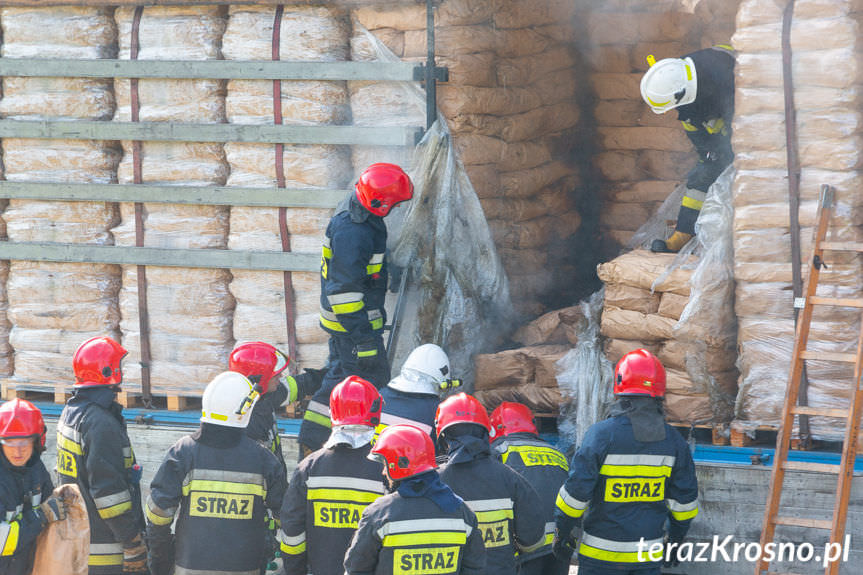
(845, 470)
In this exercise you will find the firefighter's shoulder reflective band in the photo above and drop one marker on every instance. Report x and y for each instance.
(218, 481)
(424, 532)
(318, 413)
(682, 511)
(113, 505)
(390, 419)
(615, 551)
(8, 538)
(625, 465)
(569, 504)
(157, 515)
(532, 455)
(102, 554)
(344, 489)
(69, 439)
(292, 545)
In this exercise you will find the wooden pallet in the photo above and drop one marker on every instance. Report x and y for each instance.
(132, 399)
(57, 394)
(715, 433)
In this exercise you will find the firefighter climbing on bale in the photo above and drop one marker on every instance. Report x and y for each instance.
(353, 287)
(220, 484)
(700, 86)
(94, 451)
(631, 473)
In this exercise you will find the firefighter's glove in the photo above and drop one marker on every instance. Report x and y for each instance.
(135, 556)
(309, 382)
(366, 354)
(670, 553)
(563, 546)
(53, 509)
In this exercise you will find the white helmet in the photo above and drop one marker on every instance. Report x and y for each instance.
(669, 83)
(228, 400)
(425, 369)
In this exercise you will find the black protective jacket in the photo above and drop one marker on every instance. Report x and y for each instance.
(22, 489)
(508, 509)
(544, 467)
(327, 494)
(93, 451)
(414, 534)
(219, 483)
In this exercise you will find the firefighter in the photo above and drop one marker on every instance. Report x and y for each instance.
(413, 395)
(420, 526)
(26, 503)
(264, 366)
(219, 483)
(700, 86)
(508, 509)
(631, 473)
(93, 450)
(353, 287)
(330, 488)
(518, 444)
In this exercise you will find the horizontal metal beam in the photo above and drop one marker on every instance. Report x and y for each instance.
(184, 258)
(200, 195)
(182, 132)
(215, 69)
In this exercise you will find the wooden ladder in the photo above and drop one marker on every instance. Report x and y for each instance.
(845, 469)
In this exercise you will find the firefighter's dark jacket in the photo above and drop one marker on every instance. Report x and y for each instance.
(507, 508)
(220, 484)
(22, 489)
(417, 409)
(544, 467)
(405, 532)
(327, 494)
(93, 450)
(354, 274)
(624, 490)
(707, 120)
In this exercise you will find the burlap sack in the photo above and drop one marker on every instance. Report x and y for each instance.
(63, 547)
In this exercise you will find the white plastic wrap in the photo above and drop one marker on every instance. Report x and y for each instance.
(585, 378)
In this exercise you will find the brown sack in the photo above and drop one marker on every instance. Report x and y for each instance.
(63, 548)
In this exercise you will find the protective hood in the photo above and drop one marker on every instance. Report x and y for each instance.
(645, 414)
(411, 381)
(354, 436)
(429, 485)
(466, 448)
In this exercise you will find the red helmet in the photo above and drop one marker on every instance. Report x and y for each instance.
(382, 186)
(355, 401)
(510, 417)
(20, 418)
(260, 362)
(404, 450)
(461, 408)
(639, 373)
(97, 362)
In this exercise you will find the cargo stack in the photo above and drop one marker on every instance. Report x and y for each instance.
(54, 307)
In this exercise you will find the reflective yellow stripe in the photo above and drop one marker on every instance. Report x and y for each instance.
(377, 323)
(115, 510)
(317, 418)
(68, 445)
(635, 470)
(373, 268)
(11, 539)
(293, 389)
(691, 203)
(546, 455)
(112, 559)
(689, 127)
(714, 126)
(658, 104)
(489, 516)
(684, 515)
(293, 549)
(333, 325)
(224, 487)
(688, 73)
(326, 252)
(613, 556)
(369, 353)
(725, 47)
(427, 538)
(158, 519)
(348, 307)
(568, 509)
(343, 495)
(549, 539)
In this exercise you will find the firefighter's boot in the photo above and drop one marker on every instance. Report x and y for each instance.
(673, 244)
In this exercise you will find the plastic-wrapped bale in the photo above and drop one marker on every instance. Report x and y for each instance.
(190, 310)
(54, 307)
(829, 130)
(307, 33)
(526, 375)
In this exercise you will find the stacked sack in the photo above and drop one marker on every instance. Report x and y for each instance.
(53, 307)
(510, 104)
(190, 310)
(643, 303)
(307, 33)
(829, 120)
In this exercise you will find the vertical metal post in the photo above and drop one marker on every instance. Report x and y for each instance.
(431, 86)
